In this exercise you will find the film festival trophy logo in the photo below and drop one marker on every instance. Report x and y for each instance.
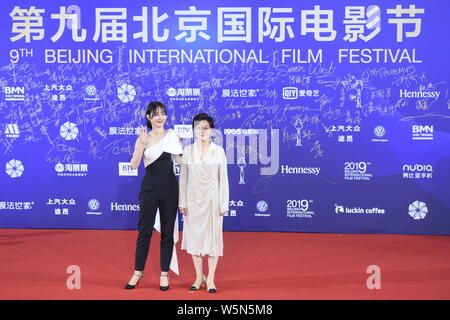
(298, 126)
(357, 85)
(241, 163)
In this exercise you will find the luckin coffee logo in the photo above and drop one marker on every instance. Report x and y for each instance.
(358, 210)
(338, 209)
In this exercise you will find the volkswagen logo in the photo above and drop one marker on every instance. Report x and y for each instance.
(94, 204)
(262, 206)
(379, 131)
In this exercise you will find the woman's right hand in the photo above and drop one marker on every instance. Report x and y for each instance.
(184, 211)
(143, 136)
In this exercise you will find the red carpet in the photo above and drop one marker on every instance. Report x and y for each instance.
(255, 266)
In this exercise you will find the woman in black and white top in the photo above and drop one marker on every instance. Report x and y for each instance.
(159, 190)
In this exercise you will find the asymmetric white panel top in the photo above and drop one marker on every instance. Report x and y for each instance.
(169, 143)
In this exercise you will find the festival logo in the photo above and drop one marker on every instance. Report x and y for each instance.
(14, 168)
(418, 210)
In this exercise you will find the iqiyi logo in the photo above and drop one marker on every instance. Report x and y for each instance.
(290, 93)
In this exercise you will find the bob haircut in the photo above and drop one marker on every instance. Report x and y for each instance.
(202, 116)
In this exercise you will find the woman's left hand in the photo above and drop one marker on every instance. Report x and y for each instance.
(223, 213)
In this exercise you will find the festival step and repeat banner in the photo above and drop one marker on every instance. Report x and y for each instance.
(335, 115)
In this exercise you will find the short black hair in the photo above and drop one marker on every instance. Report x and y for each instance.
(202, 116)
(151, 109)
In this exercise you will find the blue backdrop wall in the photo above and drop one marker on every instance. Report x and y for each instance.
(334, 114)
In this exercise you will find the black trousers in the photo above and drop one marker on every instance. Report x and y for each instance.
(159, 189)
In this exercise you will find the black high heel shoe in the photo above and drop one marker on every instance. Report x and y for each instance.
(164, 288)
(129, 286)
(194, 288)
(211, 290)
